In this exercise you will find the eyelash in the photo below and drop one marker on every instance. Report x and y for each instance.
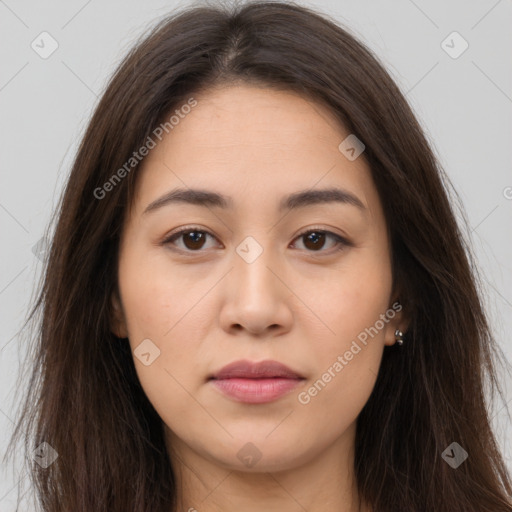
(341, 242)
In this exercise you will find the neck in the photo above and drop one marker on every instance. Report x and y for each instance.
(322, 482)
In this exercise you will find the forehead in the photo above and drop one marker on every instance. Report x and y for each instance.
(256, 145)
(255, 117)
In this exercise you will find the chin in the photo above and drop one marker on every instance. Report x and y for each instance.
(253, 456)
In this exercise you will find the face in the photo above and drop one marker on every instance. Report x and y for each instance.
(304, 281)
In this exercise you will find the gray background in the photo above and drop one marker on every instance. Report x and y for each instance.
(464, 104)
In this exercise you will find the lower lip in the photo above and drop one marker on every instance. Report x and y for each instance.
(255, 391)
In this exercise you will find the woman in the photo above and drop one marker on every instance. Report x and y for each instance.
(257, 296)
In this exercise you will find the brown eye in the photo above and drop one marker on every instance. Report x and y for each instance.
(315, 240)
(192, 239)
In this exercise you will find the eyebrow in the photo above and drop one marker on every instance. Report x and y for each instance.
(293, 201)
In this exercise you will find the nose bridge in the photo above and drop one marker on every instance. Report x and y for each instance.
(255, 298)
(254, 255)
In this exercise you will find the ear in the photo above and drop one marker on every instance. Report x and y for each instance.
(397, 319)
(117, 319)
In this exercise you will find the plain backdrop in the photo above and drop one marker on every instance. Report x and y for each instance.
(463, 99)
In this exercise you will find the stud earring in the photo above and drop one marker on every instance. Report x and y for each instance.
(399, 337)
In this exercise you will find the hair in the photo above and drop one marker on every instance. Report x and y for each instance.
(83, 395)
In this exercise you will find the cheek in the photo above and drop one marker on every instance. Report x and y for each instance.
(353, 298)
(158, 310)
(167, 308)
(348, 352)
(156, 295)
(347, 362)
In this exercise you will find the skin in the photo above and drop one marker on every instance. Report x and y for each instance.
(295, 304)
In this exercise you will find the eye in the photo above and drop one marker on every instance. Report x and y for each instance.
(194, 239)
(315, 240)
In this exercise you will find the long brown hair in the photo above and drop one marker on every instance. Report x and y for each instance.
(84, 398)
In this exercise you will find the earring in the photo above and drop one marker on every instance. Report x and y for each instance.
(399, 337)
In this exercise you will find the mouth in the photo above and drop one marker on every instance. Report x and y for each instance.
(255, 383)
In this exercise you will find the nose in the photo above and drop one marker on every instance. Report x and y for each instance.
(256, 297)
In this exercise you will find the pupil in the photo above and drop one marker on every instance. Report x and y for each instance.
(314, 237)
(195, 237)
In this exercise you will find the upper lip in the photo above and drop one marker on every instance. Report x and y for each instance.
(252, 370)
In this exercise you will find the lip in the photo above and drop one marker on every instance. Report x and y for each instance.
(256, 383)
